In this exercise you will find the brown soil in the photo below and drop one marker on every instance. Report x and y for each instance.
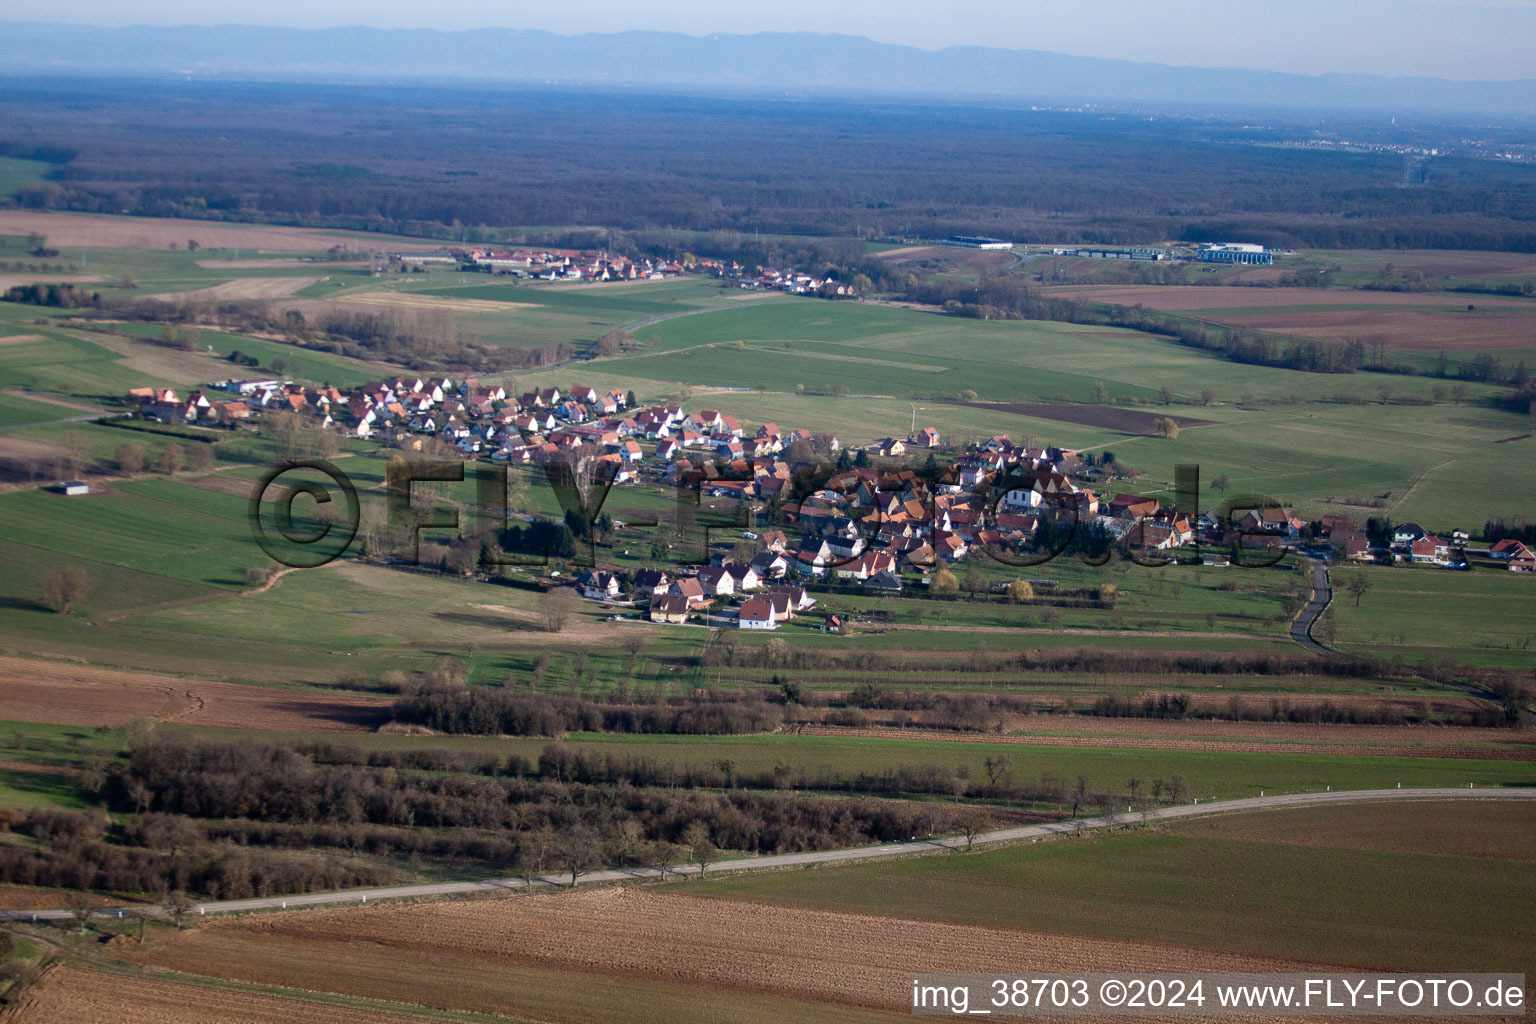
(83, 996)
(1127, 420)
(22, 339)
(40, 691)
(1405, 328)
(482, 955)
(449, 304)
(66, 230)
(28, 897)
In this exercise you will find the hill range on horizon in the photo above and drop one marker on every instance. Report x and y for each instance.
(768, 65)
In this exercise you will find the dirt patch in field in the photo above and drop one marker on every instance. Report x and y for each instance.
(66, 230)
(1125, 420)
(22, 339)
(41, 691)
(1404, 328)
(481, 955)
(446, 303)
(83, 996)
(242, 288)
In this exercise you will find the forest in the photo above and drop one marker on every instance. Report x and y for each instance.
(472, 165)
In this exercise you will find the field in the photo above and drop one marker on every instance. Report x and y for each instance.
(244, 288)
(1403, 611)
(69, 230)
(38, 691)
(1423, 900)
(1402, 320)
(638, 955)
(15, 174)
(1400, 887)
(87, 996)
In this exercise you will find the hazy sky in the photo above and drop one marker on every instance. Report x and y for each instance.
(1467, 39)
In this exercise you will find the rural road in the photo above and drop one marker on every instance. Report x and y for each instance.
(1322, 594)
(790, 860)
(635, 325)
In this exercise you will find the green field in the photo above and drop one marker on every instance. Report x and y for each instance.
(16, 174)
(1190, 886)
(1486, 616)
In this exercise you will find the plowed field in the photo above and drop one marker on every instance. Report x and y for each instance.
(635, 954)
(40, 691)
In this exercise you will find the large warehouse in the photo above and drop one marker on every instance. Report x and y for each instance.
(1235, 252)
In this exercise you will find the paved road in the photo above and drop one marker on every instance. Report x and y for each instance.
(788, 860)
(1322, 595)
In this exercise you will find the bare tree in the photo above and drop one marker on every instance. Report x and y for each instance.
(557, 609)
(130, 459)
(201, 458)
(1358, 586)
(999, 769)
(534, 850)
(80, 907)
(63, 588)
(701, 849)
(178, 905)
(171, 458)
(580, 851)
(77, 446)
(663, 854)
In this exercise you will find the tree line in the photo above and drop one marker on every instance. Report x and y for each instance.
(485, 711)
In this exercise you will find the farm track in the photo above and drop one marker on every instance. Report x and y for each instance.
(822, 857)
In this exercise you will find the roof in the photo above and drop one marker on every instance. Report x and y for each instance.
(758, 610)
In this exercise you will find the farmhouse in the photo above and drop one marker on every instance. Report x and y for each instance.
(669, 609)
(757, 614)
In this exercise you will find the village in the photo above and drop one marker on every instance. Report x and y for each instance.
(601, 267)
(893, 514)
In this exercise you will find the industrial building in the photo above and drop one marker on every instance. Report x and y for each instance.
(971, 242)
(1235, 252)
(1135, 252)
